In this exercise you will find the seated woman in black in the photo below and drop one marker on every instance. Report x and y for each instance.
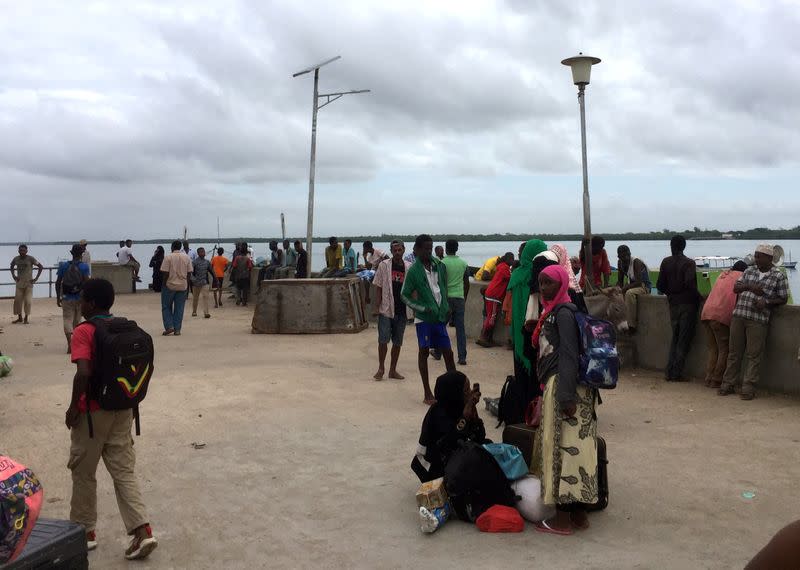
(453, 418)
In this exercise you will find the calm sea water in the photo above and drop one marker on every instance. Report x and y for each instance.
(475, 253)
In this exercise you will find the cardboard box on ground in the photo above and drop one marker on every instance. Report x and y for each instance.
(432, 494)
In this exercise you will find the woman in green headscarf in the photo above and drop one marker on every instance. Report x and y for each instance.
(519, 286)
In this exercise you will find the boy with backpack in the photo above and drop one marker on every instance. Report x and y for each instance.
(114, 360)
(70, 278)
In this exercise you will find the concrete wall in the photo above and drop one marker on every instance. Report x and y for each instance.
(120, 276)
(780, 368)
(307, 306)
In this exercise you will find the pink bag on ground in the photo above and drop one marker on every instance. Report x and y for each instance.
(20, 502)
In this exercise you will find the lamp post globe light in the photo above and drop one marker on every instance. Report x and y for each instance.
(581, 66)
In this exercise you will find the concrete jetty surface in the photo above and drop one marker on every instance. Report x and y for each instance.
(306, 463)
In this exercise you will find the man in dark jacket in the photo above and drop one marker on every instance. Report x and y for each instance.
(677, 280)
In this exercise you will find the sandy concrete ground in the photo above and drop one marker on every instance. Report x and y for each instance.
(307, 458)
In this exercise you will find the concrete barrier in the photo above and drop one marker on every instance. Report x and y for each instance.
(780, 367)
(307, 306)
(120, 276)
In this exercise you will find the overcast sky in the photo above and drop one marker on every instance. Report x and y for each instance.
(137, 118)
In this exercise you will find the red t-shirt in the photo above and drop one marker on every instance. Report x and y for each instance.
(600, 266)
(499, 283)
(83, 348)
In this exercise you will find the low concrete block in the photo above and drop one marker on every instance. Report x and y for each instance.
(309, 306)
(120, 276)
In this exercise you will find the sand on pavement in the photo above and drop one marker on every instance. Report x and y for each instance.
(306, 463)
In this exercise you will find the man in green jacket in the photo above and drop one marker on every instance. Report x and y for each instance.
(425, 292)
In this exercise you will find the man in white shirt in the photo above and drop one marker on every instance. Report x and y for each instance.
(86, 257)
(189, 251)
(125, 257)
(372, 256)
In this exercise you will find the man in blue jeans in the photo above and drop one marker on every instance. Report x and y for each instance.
(177, 271)
(457, 291)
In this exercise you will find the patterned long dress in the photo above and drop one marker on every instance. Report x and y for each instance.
(565, 449)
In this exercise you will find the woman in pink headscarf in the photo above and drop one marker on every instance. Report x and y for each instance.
(563, 261)
(568, 422)
(574, 286)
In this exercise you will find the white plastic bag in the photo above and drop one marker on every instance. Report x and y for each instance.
(531, 506)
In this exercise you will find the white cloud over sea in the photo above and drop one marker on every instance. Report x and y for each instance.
(137, 118)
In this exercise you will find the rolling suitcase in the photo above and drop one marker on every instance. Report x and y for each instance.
(53, 545)
(602, 477)
(522, 436)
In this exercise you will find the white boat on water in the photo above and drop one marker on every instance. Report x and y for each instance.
(705, 262)
(715, 261)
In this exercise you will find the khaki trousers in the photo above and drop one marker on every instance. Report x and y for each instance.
(717, 335)
(22, 298)
(200, 293)
(748, 339)
(632, 304)
(71, 311)
(113, 443)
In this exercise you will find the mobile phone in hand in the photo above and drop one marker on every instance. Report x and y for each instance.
(476, 387)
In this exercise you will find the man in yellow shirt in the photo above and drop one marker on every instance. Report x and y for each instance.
(486, 272)
(333, 258)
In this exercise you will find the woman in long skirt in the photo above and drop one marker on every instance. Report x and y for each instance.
(565, 449)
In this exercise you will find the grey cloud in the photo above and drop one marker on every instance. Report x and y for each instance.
(153, 99)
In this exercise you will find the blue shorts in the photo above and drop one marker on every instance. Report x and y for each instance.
(391, 329)
(433, 335)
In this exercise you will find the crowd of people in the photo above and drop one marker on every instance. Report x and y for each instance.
(537, 293)
(540, 294)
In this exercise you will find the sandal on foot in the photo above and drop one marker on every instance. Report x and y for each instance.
(725, 390)
(547, 529)
(577, 526)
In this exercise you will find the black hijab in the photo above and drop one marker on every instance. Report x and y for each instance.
(443, 416)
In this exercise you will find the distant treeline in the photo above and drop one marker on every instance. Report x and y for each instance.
(665, 234)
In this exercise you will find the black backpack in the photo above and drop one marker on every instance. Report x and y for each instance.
(513, 401)
(123, 366)
(475, 482)
(72, 281)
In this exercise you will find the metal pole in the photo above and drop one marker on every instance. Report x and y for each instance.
(310, 228)
(587, 216)
(283, 227)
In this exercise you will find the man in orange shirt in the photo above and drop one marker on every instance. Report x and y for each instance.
(218, 265)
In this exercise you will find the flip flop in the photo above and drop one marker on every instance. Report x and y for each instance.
(543, 527)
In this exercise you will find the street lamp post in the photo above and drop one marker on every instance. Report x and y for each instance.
(581, 72)
(329, 98)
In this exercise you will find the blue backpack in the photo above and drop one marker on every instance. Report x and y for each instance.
(598, 365)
